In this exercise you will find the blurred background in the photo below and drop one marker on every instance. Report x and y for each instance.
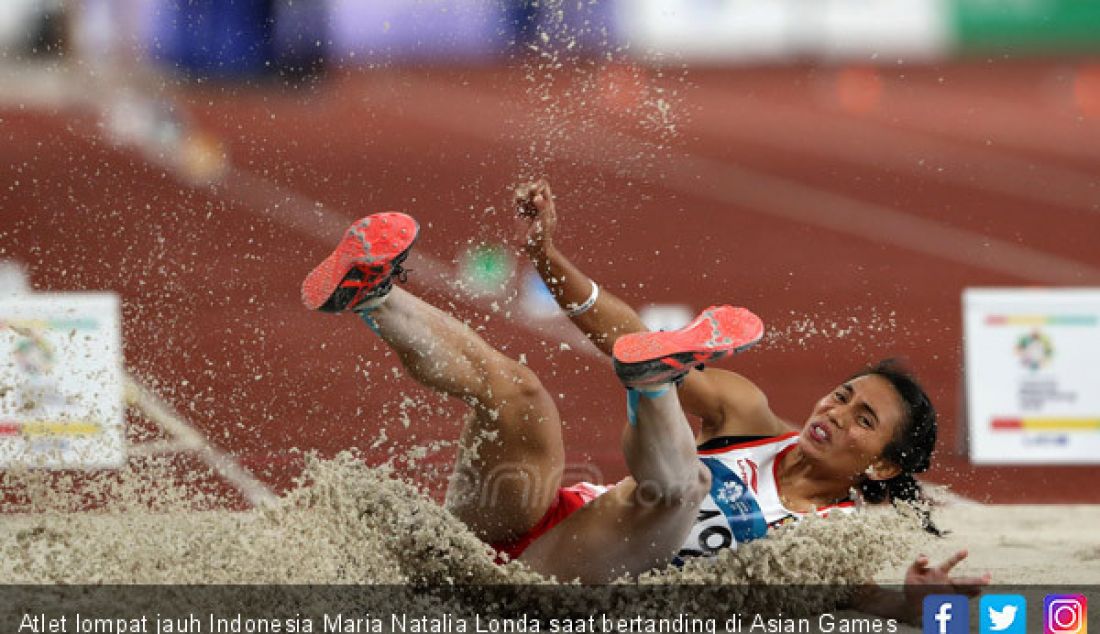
(845, 168)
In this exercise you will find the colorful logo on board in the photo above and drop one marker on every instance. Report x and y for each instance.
(1034, 350)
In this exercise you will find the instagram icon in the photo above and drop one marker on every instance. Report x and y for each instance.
(1065, 614)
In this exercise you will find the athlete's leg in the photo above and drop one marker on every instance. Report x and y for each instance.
(510, 458)
(643, 521)
(509, 467)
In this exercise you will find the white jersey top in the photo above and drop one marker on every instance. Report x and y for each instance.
(743, 502)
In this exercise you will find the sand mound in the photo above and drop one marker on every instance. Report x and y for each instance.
(348, 523)
(345, 523)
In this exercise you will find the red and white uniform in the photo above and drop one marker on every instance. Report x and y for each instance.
(744, 500)
(742, 505)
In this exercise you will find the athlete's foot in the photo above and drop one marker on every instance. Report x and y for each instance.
(363, 265)
(651, 358)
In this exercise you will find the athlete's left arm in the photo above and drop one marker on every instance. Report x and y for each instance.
(921, 579)
(606, 317)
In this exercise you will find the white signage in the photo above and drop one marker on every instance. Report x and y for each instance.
(867, 31)
(710, 29)
(1032, 384)
(61, 399)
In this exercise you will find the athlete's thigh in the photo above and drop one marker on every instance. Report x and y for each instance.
(620, 532)
(509, 467)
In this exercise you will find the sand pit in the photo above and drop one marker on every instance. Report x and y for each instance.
(350, 523)
(1020, 544)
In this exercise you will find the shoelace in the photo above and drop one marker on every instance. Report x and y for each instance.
(401, 273)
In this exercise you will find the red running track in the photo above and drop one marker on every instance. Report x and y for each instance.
(850, 221)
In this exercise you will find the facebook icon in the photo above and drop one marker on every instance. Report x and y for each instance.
(946, 614)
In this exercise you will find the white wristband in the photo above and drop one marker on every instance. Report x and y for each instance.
(581, 309)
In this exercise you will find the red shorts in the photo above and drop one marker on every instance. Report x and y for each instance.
(569, 499)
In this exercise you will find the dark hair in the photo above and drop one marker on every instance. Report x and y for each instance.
(913, 444)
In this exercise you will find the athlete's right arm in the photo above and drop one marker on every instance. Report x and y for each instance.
(727, 403)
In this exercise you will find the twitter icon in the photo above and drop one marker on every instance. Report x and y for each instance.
(1003, 614)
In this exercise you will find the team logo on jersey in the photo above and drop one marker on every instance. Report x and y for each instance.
(749, 473)
(730, 492)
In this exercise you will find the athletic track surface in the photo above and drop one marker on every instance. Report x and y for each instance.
(880, 202)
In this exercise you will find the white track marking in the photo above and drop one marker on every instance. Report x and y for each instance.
(44, 85)
(804, 130)
(156, 448)
(313, 220)
(763, 193)
(993, 121)
(785, 198)
(191, 440)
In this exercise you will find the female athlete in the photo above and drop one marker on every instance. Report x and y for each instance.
(687, 496)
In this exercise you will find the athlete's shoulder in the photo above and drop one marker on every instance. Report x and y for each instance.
(743, 407)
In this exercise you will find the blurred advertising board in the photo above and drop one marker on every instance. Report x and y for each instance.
(709, 30)
(779, 30)
(384, 31)
(389, 30)
(61, 389)
(1032, 385)
(1027, 26)
(874, 31)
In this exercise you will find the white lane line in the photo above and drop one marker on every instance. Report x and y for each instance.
(804, 130)
(156, 448)
(313, 220)
(997, 122)
(47, 85)
(727, 184)
(171, 422)
(785, 198)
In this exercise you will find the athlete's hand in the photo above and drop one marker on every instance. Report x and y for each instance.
(923, 579)
(535, 205)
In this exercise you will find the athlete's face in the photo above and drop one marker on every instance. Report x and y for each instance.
(849, 428)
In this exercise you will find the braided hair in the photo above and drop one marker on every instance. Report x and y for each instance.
(913, 444)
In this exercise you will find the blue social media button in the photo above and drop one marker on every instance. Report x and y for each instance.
(1003, 614)
(946, 614)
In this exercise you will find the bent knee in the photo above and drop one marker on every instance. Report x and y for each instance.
(518, 383)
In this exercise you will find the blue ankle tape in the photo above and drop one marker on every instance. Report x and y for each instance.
(368, 320)
(633, 397)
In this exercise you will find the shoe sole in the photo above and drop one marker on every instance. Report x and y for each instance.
(657, 357)
(374, 243)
